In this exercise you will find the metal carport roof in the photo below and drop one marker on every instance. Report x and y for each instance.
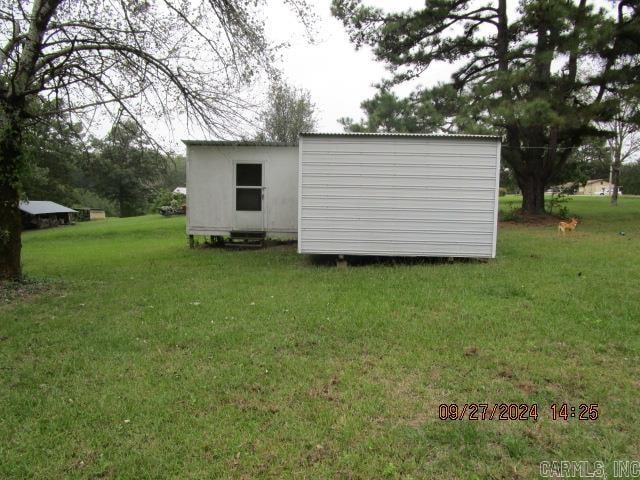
(42, 207)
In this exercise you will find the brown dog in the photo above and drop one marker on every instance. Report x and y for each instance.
(563, 227)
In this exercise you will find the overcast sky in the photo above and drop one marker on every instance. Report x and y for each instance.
(338, 77)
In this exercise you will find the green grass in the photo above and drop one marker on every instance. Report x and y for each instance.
(144, 359)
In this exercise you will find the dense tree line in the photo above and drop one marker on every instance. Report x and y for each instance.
(122, 173)
(630, 178)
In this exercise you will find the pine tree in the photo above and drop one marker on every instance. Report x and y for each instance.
(542, 79)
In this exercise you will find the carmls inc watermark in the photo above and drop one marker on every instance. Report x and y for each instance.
(590, 469)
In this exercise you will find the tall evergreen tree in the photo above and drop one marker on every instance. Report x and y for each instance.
(541, 79)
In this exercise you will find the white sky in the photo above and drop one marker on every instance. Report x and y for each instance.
(338, 77)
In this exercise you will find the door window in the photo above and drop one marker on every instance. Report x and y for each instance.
(248, 177)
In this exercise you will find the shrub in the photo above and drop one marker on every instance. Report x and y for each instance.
(557, 201)
(510, 215)
(167, 198)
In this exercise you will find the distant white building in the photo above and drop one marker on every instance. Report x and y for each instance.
(180, 190)
(599, 186)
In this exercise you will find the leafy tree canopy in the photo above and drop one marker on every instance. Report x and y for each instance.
(126, 167)
(52, 156)
(630, 178)
(289, 111)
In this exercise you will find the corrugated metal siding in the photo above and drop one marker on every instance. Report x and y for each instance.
(413, 196)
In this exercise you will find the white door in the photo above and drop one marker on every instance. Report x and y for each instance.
(249, 196)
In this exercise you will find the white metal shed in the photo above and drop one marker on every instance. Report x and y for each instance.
(242, 187)
(398, 194)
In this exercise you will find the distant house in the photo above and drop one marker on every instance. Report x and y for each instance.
(180, 190)
(42, 214)
(598, 186)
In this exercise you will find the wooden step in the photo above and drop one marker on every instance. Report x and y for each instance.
(244, 245)
(246, 239)
(248, 235)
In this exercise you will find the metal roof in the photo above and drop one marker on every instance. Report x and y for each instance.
(255, 143)
(411, 135)
(41, 207)
(236, 143)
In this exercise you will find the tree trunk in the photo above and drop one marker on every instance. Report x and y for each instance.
(532, 195)
(615, 179)
(121, 201)
(10, 220)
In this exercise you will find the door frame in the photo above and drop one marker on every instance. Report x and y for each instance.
(263, 197)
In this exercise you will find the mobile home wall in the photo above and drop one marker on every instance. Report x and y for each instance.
(211, 187)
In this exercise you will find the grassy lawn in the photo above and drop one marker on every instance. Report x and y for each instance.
(144, 359)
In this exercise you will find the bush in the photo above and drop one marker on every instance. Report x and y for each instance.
(557, 201)
(630, 178)
(502, 191)
(510, 215)
(167, 198)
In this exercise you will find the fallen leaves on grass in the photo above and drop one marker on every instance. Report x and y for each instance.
(20, 291)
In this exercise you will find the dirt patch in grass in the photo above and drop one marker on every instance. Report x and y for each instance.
(12, 292)
(520, 219)
(328, 390)
(471, 351)
(528, 388)
(316, 454)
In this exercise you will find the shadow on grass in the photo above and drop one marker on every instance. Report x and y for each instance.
(204, 242)
(351, 260)
(368, 260)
